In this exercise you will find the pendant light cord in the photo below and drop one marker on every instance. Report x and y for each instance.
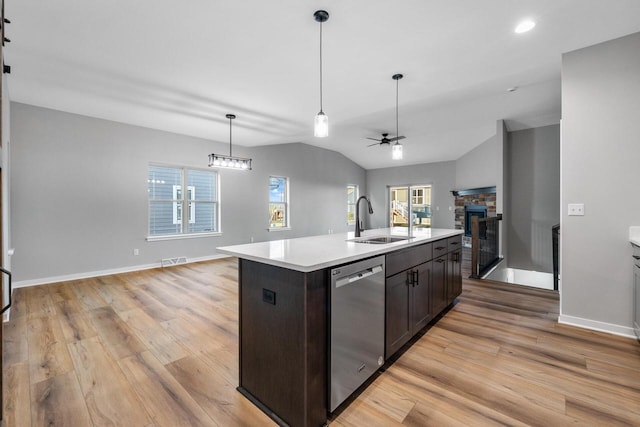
(321, 67)
(230, 152)
(397, 85)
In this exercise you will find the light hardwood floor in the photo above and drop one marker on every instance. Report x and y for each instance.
(159, 348)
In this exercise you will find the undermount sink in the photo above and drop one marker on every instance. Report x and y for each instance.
(379, 240)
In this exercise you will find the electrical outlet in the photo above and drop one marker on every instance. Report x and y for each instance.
(576, 209)
(136, 251)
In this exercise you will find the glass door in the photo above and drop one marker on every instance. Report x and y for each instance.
(410, 205)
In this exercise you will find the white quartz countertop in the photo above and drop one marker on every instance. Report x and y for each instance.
(317, 252)
(634, 235)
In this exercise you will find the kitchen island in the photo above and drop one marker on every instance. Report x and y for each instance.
(285, 309)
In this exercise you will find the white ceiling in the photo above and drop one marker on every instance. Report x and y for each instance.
(181, 66)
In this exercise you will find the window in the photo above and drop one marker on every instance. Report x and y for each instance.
(352, 198)
(168, 203)
(278, 203)
(416, 209)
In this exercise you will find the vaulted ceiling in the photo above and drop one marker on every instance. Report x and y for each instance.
(181, 66)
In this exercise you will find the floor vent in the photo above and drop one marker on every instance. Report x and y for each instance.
(174, 261)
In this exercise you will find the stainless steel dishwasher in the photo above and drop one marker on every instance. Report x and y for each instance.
(357, 326)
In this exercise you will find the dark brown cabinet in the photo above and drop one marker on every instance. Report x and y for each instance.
(439, 284)
(454, 275)
(417, 291)
(454, 268)
(407, 305)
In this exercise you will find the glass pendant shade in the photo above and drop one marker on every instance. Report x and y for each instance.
(396, 153)
(321, 125)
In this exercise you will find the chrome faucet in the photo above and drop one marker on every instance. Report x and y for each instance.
(358, 226)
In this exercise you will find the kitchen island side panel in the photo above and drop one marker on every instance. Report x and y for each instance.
(283, 341)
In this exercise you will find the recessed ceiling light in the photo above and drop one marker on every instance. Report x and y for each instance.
(524, 26)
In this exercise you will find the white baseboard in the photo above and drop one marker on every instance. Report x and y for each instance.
(610, 328)
(90, 274)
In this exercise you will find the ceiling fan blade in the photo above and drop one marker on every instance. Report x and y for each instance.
(396, 138)
(371, 145)
(374, 139)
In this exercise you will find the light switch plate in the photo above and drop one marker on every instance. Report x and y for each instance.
(576, 209)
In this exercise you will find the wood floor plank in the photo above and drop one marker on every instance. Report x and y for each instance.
(110, 399)
(61, 292)
(86, 294)
(165, 399)
(530, 404)
(18, 303)
(458, 409)
(39, 303)
(219, 398)
(74, 322)
(119, 338)
(194, 338)
(161, 343)
(113, 291)
(17, 396)
(224, 362)
(58, 401)
(15, 347)
(149, 304)
(387, 401)
(48, 354)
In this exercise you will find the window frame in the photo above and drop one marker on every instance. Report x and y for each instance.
(286, 203)
(354, 204)
(189, 204)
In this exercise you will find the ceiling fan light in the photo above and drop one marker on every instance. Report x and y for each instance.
(396, 153)
(321, 125)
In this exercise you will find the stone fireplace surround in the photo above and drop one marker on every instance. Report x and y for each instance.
(485, 196)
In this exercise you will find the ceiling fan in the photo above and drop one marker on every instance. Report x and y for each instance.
(385, 140)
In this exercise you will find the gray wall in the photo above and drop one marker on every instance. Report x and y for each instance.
(600, 150)
(533, 173)
(79, 193)
(479, 167)
(441, 176)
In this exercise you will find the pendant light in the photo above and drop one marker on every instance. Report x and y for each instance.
(230, 161)
(321, 123)
(396, 153)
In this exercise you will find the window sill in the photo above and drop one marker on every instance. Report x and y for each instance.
(181, 236)
(279, 229)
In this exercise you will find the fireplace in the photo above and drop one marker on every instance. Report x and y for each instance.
(469, 212)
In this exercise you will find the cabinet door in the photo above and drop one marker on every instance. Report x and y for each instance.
(439, 284)
(454, 275)
(420, 304)
(398, 321)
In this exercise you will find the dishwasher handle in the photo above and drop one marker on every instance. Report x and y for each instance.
(358, 276)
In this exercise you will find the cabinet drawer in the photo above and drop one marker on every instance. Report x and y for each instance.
(407, 258)
(454, 243)
(440, 247)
